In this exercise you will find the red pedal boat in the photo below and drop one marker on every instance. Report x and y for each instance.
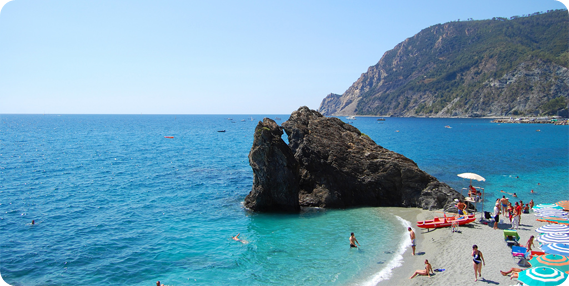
(438, 222)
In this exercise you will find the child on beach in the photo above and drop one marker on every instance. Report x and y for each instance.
(529, 244)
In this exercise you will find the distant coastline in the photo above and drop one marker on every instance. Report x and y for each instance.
(555, 120)
(534, 120)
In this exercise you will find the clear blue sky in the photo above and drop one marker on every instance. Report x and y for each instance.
(206, 57)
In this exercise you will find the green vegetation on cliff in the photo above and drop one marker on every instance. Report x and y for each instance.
(473, 68)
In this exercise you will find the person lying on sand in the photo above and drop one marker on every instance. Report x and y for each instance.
(428, 270)
(513, 272)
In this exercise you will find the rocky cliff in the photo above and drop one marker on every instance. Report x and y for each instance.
(331, 164)
(498, 67)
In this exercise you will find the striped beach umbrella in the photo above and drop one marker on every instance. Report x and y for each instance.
(554, 220)
(556, 261)
(542, 276)
(554, 238)
(551, 213)
(547, 206)
(553, 228)
(563, 204)
(556, 248)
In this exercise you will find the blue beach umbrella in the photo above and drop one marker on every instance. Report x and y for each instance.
(553, 228)
(556, 248)
(542, 276)
(554, 238)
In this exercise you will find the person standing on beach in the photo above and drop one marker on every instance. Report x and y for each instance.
(504, 203)
(496, 213)
(460, 206)
(353, 241)
(412, 235)
(516, 217)
(519, 208)
(477, 260)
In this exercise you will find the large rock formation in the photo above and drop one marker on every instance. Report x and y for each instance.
(276, 179)
(331, 164)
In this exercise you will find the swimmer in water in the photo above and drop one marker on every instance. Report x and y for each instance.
(236, 238)
(353, 241)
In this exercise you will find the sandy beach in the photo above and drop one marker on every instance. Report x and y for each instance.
(452, 251)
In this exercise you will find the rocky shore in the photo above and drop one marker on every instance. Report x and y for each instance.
(533, 120)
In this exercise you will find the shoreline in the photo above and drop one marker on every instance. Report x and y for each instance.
(452, 251)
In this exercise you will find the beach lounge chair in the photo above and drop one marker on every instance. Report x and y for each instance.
(518, 251)
(511, 237)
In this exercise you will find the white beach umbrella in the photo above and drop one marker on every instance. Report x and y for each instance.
(553, 228)
(554, 238)
(471, 176)
(551, 213)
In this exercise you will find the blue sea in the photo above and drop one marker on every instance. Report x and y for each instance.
(115, 202)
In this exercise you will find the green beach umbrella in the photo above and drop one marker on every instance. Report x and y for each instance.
(558, 262)
(542, 276)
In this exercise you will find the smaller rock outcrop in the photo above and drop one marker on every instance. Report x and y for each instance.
(276, 171)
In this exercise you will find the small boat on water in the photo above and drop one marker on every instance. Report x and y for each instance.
(447, 126)
(169, 137)
(439, 222)
(381, 119)
(351, 118)
(221, 130)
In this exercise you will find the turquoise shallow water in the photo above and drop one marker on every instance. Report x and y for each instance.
(116, 202)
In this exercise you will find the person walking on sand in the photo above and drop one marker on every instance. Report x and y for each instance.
(412, 235)
(353, 241)
(477, 261)
(428, 270)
